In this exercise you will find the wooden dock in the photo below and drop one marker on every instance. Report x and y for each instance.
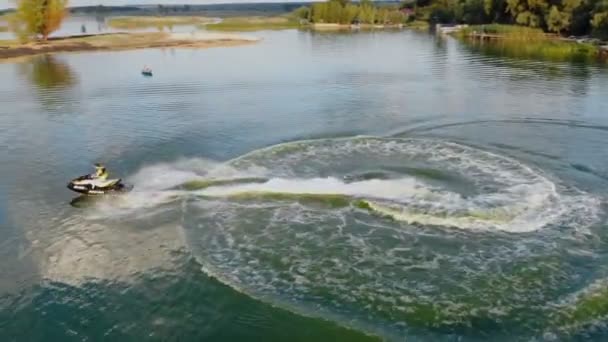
(447, 29)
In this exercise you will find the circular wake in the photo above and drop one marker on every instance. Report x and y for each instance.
(362, 228)
(391, 234)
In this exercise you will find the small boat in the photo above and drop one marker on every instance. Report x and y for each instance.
(146, 71)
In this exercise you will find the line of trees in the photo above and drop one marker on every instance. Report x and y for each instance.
(576, 17)
(345, 12)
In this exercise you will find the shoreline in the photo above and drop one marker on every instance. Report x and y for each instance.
(121, 42)
(353, 27)
(528, 43)
(416, 25)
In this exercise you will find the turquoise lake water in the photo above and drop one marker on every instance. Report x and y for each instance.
(312, 186)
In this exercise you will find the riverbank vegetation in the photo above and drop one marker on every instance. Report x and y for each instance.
(161, 22)
(527, 42)
(344, 12)
(254, 24)
(417, 24)
(512, 32)
(549, 50)
(563, 17)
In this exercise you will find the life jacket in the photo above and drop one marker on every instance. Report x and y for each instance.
(101, 173)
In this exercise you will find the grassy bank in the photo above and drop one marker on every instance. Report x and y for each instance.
(147, 22)
(511, 32)
(254, 24)
(418, 25)
(547, 50)
(526, 43)
(118, 41)
(414, 25)
(340, 27)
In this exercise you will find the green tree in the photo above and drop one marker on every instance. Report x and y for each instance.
(495, 11)
(334, 11)
(367, 13)
(319, 12)
(580, 15)
(557, 21)
(474, 12)
(599, 20)
(396, 17)
(38, 18)
(488, 6)
(600, 25)
(382, 16)
(301, 12)
(528, 18)
(349, 13)
(528, 12)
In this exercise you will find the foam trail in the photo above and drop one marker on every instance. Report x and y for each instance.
(155, 185)
(170, 175)
(511, 196)
(386, 189)
(521, 209)
(166, 176)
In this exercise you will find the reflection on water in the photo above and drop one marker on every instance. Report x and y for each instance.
(84, 201)
(49, 72)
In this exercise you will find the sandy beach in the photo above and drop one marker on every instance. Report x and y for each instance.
(122, 41)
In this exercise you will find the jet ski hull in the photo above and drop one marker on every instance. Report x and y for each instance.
(80, 185)
(88, 190)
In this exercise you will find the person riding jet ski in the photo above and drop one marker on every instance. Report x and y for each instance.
(99, 177)
(97, 183)
(100, 172)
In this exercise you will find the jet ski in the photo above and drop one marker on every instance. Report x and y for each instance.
(89, 185)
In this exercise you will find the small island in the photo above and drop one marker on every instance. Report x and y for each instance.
(34, 20)
(121, 41)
